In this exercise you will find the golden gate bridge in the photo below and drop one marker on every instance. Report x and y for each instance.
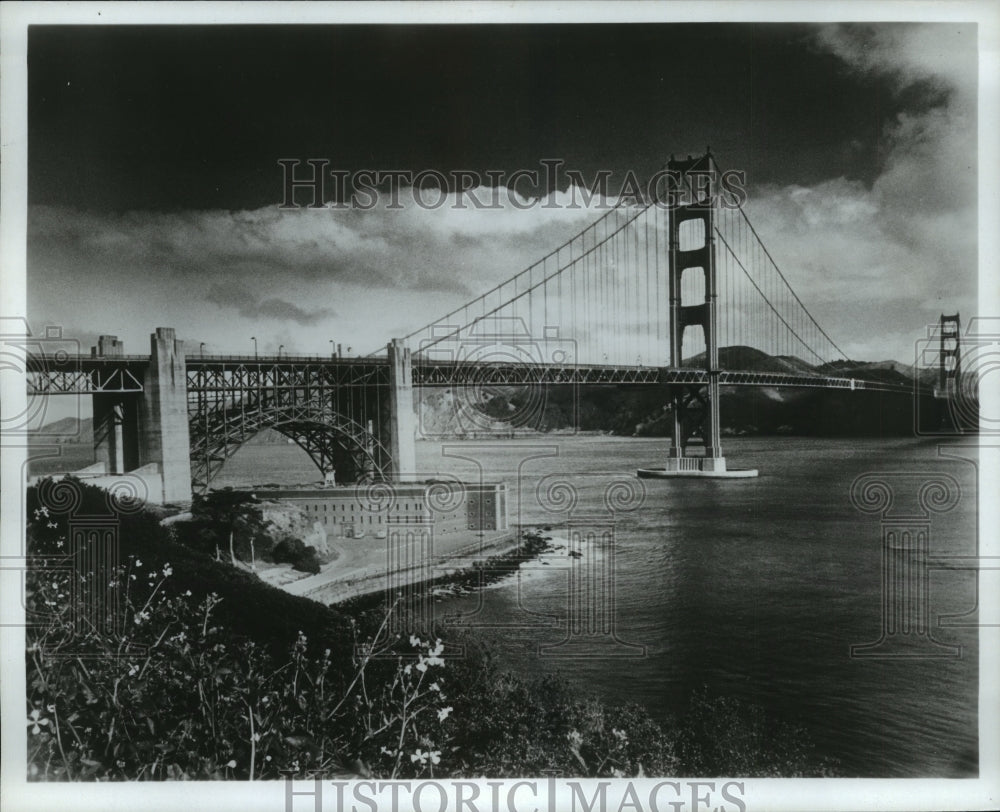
(677, 291)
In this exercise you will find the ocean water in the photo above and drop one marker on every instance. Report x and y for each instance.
(754, 588)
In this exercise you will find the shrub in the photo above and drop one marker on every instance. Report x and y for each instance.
(295, 552)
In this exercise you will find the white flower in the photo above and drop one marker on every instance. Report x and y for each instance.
(167, 570)
(188, 593)
(414, 641)
(435, 756)
(434, 686)
(443, 714)
(420, 756)
(133, 670)
(52, 524)
(421, 666)
(231, 762)
(138, 563)
(34, 720)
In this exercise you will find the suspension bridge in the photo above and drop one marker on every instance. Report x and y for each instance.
(677, 291)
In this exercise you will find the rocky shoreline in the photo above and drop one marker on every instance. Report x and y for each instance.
(532, 543)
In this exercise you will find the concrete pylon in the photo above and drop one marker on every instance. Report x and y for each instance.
(116, 442)
(402, 420)
(163, 415)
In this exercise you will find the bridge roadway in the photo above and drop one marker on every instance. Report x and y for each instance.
(86, 374)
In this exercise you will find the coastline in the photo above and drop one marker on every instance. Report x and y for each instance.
(349, 577)
(462, 576)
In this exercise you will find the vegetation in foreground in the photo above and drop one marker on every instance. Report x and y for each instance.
(191, 670)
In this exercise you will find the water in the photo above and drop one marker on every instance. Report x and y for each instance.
(753, 588)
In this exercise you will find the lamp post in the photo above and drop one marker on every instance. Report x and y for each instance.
(280, 348)
(333, 350)
(201, 348)
(254, 340)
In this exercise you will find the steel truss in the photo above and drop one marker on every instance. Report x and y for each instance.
(100, 380)
(324, 408)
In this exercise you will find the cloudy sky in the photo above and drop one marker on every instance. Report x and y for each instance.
(154, 183)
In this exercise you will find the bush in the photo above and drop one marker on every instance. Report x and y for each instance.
(295, 552)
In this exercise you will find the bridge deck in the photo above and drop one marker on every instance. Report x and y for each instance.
(80, 374)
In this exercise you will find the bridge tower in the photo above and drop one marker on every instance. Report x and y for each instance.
(695, 408)
(949, 357)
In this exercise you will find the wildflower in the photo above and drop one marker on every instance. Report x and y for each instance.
(188, 593)
(138, 563)
(133, 670)
(437, 649)
(443, 714)
(408, 669)
(51, 524)
(167, 570)
(231, 763)
(434, 686)
(35, 720)
(132, 576)
(50, 708)
(59, 544)
(420, 756)
(414, 640)
(421, 666)
(435, 756)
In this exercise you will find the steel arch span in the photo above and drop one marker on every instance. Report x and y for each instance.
(322, 433)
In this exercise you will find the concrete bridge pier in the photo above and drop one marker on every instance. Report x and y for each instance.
(116, 432)
(163, 415)
(402, 418)
(116, 420)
